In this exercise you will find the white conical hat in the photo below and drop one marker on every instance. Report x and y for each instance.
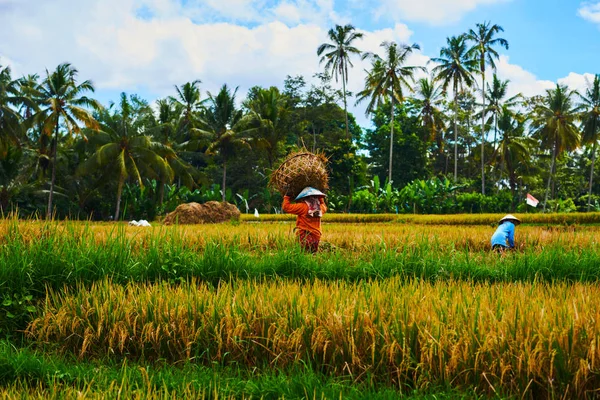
(310, 191)
(510, 217)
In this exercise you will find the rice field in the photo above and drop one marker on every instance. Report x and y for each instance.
(412, 308)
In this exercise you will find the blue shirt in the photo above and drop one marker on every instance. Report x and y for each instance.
(504, 234)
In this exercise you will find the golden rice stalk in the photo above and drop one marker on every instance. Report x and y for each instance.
(521, 336)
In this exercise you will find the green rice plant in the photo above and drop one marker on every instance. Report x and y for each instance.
(16, 309)
(25, 373)
(532, 339)
(35, 256)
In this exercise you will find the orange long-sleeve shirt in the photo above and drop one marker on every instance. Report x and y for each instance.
(303, 220)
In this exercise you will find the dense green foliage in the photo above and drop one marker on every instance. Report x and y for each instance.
(62, 152)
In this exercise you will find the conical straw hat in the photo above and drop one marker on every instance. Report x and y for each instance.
(310, 191)
(510, 217)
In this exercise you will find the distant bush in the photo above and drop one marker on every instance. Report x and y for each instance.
(479, 203)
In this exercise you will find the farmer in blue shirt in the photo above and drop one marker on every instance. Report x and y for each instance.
(504, 237)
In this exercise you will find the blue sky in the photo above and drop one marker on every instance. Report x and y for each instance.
(546, 37)
(147, 46)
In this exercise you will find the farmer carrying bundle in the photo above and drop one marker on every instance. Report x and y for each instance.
(303, 177)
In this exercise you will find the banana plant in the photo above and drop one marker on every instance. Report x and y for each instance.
(244, 197)
(432, 196)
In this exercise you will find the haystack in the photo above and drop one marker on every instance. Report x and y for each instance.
(299, 170)
(209, 212)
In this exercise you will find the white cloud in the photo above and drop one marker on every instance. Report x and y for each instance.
(288, 13)
(579, 82)
(108, 43)
(526, 83)
(590, 11)
(236, 10)
(521, 80)
(121, 50)
(437, 12)
(371, 42)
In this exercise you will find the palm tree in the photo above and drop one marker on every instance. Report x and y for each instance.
(455, 69)
(168, 132)
(11, 98)
(123, 151)
(465, 106)
(337, 56)
(388, 78)
(166, 122)
(188, 100)
(28, 86)
(554, 124)
(60, 98)
(429, 100)
(590, 105)
(267, 118)
(223, 128)
(513, 148)
(496, 101)
(485, 54)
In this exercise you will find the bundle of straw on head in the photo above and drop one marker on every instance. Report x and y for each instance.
(299, 170)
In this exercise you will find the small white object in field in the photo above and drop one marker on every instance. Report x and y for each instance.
(141, 222)
(256, 213)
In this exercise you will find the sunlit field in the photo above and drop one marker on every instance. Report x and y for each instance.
(237, 310)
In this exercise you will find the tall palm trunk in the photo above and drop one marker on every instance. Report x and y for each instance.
(550, 176)
(4, 200)
(591, 175)
(496, 151)
(350, 191)
(345, 106)
(455, 137)
(513, 184)
(483, 134)
(391, 141)
(501, 166)
(161, 192)
(446, 164)
(51, 194)
(224, 179)
(467, 145)
(439, 157)
(119, 194)
(495, 131)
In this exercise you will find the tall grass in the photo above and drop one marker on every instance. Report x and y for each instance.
(36, 256)
(522, 338)
(441, 219)
(25, 373)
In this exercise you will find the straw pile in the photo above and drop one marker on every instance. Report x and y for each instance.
(299, 170)
(209, 212)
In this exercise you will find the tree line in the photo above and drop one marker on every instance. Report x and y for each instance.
(441, 134)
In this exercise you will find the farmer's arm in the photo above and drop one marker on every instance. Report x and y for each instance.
(323, 205)
(511, 236)
(296, 209)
